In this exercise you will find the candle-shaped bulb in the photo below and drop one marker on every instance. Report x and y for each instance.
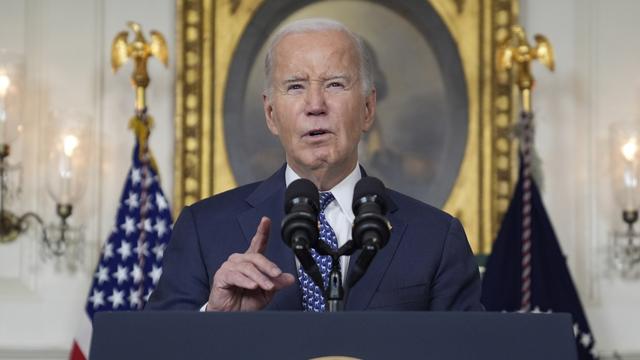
(70, 143)
(629, 149)
(5, 82)
(67, 168)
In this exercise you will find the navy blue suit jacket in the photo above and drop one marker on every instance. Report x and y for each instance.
(426, 265)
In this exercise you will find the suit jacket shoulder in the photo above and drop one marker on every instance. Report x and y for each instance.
(428, 262)
(415, 210)
(225, 205)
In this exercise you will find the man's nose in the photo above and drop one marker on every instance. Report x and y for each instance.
(315, 100)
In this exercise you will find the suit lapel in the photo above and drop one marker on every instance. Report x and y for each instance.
(268, 200)
(359, 297)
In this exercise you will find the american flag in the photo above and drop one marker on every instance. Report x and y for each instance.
(131, 259)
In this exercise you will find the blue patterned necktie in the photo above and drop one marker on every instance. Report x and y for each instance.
(312, 299)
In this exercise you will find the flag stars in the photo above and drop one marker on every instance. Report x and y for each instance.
(132, 201)
(108, 251)
(116, 298)
(148, 181)
(155, 274)
(160, 227)
(136, 175)
(129, 225)
(121, 274)
(126, 275)
(97, 298)
(585, 339)
(102, 274)
(158, 250)
(146, 225)
(136, 274)
(124, 250)
(134, 298)
(142, 248)
(161, 202)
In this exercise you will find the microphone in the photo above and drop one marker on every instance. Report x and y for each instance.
(371, 229)
(300, 225)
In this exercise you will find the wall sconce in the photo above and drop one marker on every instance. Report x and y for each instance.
(67, 170)
(625, 150)
(66, 167)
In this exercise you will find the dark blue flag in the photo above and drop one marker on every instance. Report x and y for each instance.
(551, 286)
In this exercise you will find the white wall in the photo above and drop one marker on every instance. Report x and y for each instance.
(66, 44)
(595, 84)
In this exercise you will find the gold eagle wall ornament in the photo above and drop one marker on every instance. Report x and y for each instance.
(516, 53)
(139, 50)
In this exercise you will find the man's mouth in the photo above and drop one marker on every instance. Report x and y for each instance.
(317, 132)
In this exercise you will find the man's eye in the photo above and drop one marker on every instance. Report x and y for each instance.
(335, 84)
(294, 87)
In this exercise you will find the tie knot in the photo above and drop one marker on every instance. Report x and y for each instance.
(325, 199)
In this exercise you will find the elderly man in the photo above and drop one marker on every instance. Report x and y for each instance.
(319, 99)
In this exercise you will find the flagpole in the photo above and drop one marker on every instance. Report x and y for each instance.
(517, 54)
(141, 123)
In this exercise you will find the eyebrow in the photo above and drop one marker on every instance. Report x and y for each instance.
(293, 79)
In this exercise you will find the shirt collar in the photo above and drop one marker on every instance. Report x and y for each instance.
(343, 191)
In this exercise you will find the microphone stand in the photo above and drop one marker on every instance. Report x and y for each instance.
(334, 293)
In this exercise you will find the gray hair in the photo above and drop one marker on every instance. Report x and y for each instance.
(320, 25)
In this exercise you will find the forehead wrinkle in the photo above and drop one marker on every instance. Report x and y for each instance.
(343, 76)
(323, 76)
(295, 55)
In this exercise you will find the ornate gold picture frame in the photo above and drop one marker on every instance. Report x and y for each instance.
(211, 43)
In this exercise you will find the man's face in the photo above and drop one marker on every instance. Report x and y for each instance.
(317, 105)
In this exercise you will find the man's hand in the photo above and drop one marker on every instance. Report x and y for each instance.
(248, 281)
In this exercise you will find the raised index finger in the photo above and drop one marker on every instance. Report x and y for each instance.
(259, 240)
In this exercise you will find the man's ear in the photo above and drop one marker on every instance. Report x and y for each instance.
(369, 110)
(268, 114)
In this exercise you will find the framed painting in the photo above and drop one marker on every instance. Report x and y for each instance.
(444, 113)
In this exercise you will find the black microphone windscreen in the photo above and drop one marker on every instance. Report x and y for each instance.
(301, 188)
(369, 186)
